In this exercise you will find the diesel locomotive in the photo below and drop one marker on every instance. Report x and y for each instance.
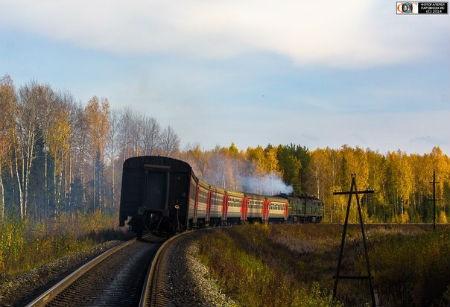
(163, 195)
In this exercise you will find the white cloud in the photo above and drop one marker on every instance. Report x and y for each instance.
(332, 33)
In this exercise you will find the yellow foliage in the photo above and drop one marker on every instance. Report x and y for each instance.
(404, 218)
(59, 137)
(442, 218)
(97, 117)
(8, 108)
(266, 160)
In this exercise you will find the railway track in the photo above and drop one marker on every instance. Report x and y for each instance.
(155, 284)
(114, 278)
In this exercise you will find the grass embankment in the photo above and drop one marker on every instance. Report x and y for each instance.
(25, 245)
(293, 265)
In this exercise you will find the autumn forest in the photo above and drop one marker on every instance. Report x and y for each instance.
(58, 155)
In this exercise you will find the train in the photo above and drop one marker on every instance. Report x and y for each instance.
(163, 195)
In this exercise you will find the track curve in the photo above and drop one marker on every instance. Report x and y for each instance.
(154, 283)
(115, 278)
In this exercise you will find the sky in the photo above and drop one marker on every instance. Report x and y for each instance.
(252, 72)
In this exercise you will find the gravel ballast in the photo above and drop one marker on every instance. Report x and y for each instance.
(22, 288)
(188, 281)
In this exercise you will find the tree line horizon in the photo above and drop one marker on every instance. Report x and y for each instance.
(58, 156)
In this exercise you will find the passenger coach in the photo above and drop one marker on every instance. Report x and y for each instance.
(162, 194)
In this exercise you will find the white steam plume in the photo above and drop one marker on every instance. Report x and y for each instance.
(236, 174)
(269, 184)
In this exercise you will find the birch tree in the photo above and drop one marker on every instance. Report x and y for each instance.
(33, 99)
(151, 137)
(59, 143)
(8, 103)
(79, 149)
(114, 124)
(97, 118)
(170, 142)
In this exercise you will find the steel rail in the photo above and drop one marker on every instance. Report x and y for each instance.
(51, 293)
(148, 295)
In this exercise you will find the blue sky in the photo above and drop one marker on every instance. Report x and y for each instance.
(246, 72)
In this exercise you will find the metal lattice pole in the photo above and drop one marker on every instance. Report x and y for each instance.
(354, 190)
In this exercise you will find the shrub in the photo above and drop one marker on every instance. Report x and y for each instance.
(251, 270)
(297, 262)
(26, 244)
(412, 270)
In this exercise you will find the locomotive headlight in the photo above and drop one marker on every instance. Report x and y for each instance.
(177, 207)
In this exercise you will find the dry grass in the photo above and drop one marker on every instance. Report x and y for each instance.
(25, 245)
(293, 265)
(256, 271)
(412, 270)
